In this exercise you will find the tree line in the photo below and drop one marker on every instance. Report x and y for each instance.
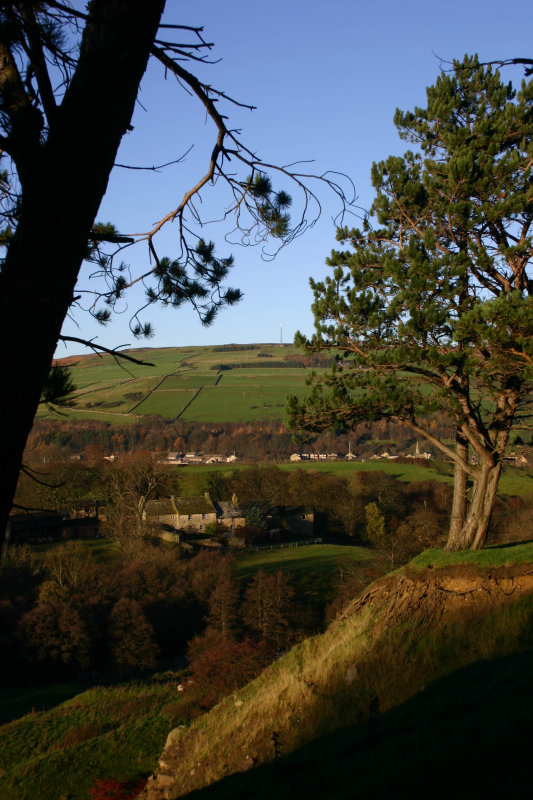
(262, 440)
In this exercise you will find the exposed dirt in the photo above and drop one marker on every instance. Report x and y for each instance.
(458, 592)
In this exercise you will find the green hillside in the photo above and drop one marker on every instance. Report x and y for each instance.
(420, 687)
(203, 384)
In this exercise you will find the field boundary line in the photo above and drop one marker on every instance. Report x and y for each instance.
(193, 398)
(154, 388)
(287, 545)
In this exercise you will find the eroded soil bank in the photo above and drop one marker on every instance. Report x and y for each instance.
(454, 593)
(333, 680)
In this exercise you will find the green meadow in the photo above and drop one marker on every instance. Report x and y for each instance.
(513, 482)
(203, 384)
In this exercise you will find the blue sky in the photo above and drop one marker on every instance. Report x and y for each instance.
(326, 78)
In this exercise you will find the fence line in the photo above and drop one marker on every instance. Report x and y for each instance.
(305, 543)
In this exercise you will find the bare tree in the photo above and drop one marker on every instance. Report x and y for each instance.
(129, 483)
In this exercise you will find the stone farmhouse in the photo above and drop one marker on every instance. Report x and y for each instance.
(190, 514)
(176, 515)
(230, 515)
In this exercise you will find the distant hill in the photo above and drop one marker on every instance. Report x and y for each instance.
(221, 383)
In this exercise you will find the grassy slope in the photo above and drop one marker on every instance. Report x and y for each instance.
(466, 736)
(123, 392)
(105, 732)
(119, 732)
(365, 703)
(445, 695)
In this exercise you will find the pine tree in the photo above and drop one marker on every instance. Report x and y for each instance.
(431, 309)
(69, 78)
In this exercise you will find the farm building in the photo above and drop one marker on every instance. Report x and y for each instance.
(230, 515)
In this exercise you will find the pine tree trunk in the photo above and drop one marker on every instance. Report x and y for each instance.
(61, 195)
(474, 531)
(477, 521)
(459, 500)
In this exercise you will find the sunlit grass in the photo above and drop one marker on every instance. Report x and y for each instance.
(491, 556)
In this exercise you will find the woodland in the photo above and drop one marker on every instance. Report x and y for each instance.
(141, 603)
(262, 441)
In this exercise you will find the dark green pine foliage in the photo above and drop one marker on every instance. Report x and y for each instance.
(430, 307)
(58, 386)
(271, 205)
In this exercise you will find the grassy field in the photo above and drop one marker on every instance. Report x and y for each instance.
(514, 482)
(186, 383)
(313, 568)
(112, 732)
(315, 559)
(490, 556)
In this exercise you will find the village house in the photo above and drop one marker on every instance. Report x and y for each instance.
(229, 514)
(194, 513)
(313, 457)
(182, 459)
(162, 511)
(177, 516)
(189, 514)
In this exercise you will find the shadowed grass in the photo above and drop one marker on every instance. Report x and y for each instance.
(115, 732)
(465, 736)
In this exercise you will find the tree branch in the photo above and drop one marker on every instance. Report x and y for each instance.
(38, 62)
(99, 348)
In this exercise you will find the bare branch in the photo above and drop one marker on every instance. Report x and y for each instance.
(159, 166)
(99, 348)
(68, 10)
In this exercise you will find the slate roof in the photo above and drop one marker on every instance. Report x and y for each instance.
(226, 510)
(160, 508)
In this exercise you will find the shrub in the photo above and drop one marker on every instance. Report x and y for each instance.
(108, 789)
(132, 637)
